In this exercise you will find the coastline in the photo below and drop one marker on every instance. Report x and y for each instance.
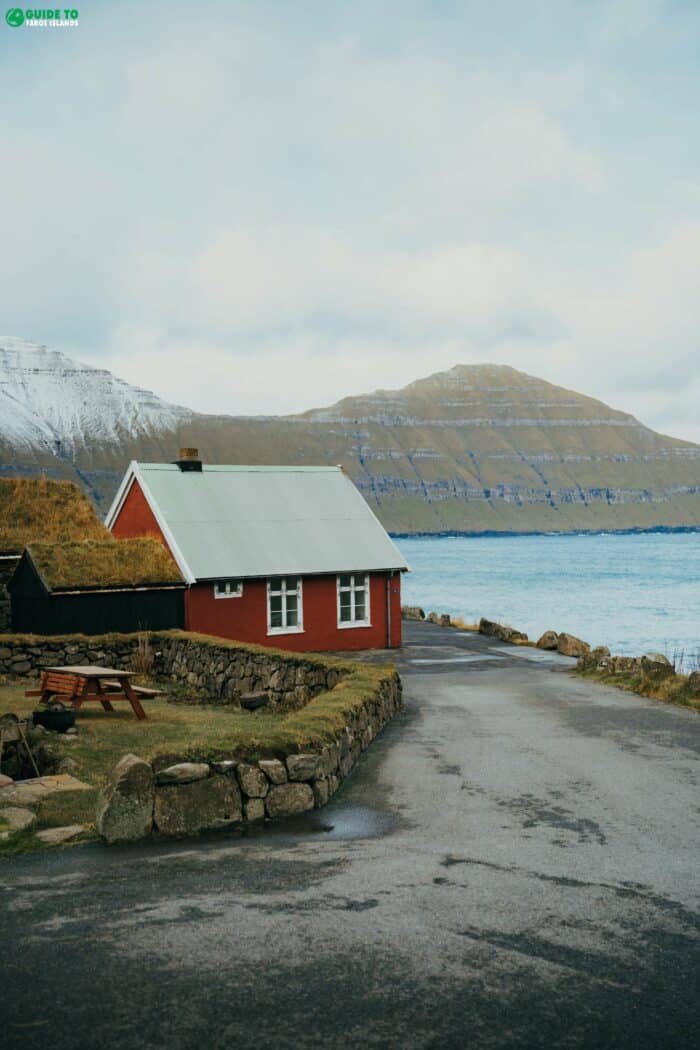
(510, 534)
(651, 675)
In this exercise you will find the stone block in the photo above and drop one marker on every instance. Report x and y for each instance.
(321, 791)
(57, 836)
(274, 770)
(185, 809)
(226, 765)
(328, 760)
(254, 809)
(285, 800)
(17, 818)
(549, 640)
(253, 781)
(302, 767)
(183, 773)
(125, 805)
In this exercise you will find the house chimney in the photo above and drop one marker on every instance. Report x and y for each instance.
(189, 461)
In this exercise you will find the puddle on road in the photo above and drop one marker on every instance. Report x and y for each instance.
(347, 821)
(461, 659)
(538, 656)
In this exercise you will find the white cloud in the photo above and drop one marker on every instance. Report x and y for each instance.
(264, 211)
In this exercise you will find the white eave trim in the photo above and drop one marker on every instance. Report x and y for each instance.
(122, 493)
(134, 474)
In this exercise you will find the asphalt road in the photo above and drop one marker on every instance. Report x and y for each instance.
(514, 863)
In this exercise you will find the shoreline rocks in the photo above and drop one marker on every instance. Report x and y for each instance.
(503, 632)
(570, 645)
(656, 665)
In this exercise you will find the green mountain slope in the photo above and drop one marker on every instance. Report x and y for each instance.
(476, 448)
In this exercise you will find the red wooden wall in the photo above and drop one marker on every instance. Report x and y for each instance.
(245, 618)
(136, 518)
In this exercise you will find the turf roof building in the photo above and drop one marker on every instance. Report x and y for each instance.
(286, 556)
(95, 587)
(39, 510)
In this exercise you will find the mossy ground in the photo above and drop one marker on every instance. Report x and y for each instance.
(39, 510)
(670, 690)
(183, 731)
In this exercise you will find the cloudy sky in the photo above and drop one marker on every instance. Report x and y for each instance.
(265, 206)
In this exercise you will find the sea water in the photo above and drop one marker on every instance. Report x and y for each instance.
(634, 593)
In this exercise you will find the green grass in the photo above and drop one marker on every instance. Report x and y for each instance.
(670, 690)
(180, 731)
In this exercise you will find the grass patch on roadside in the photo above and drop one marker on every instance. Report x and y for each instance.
(461, 624)
(67, 807)
(673, 689)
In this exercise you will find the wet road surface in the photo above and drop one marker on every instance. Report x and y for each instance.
(513, 863)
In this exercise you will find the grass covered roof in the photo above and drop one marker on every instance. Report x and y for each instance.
(37, 510)
(96, 564)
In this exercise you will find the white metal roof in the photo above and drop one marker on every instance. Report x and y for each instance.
(246, 521)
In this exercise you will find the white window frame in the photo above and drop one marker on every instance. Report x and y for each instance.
(228, 589)
(299, 628)
(367, 622)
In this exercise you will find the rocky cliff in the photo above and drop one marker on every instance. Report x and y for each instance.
(475, 448)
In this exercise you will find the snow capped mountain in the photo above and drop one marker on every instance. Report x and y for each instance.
(477, 448)
(50, 403)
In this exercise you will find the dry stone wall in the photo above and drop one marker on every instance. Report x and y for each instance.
(171, 796)
(207, 669)
(188, 797)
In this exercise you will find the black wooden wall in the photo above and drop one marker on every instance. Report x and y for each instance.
(34, 611)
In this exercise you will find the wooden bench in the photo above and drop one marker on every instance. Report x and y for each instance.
(141, 690)
(69, 687)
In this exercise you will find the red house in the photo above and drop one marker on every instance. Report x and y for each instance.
(291, 557)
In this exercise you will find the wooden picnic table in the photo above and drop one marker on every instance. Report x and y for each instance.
(77, 683)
